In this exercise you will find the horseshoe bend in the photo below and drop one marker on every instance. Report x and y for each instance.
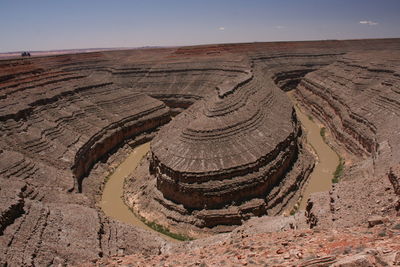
(229, 158)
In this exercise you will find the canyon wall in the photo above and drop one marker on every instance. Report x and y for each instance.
(56, 124)
(66, 120)
(236, 154)
(357, 97)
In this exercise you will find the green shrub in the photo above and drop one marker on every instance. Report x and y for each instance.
(322, 132)
(396, 227)
(161, 229)
(339, 171)
(382, 234)
(166, 231)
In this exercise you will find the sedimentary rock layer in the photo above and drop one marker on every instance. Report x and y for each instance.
(359, 94)
(358, 98)
(232, 155)
(218, 161)
(63, 119)
(55, 125)
(61, 115)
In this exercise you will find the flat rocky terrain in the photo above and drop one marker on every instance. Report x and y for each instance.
(250, 245)
(226, 148)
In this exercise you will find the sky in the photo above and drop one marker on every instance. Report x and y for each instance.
(31, 25)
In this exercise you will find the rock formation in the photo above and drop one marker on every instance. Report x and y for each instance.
(55, 124)
(225, 159)
(251, 245)
(66, 120)
(357, 97)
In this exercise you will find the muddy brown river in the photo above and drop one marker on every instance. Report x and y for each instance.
(320, 180)
(111, 202)
(327, 161)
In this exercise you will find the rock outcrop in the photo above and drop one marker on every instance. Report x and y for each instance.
(55, 125)
(246, 246)
(225, 159)
(394, 178)
(357, 98)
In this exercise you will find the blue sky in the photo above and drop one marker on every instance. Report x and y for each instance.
(67, 24)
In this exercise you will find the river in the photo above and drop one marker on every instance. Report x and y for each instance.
(111, 202)
(328, 160)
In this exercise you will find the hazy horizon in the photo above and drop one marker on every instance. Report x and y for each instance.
(66, 25)
(172, 46)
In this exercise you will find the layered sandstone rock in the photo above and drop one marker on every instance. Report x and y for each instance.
(63, 120)
(218, 163)
(358, 98)
(55, 125)
(61, 115)
(229, 156)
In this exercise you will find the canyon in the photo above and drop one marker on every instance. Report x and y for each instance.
(228, 156)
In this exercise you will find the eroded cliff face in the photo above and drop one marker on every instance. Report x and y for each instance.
(56, 123)
(66, 120)
(60, 116)
(227, 158)
(357, 97)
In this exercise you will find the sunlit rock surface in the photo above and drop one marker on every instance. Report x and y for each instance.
(67, 120)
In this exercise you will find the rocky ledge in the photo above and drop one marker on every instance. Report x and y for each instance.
(255, 245)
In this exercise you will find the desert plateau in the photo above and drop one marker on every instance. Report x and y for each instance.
(226, 156)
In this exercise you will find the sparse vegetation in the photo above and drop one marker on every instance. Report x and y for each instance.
(107, 178)
(310, 118)
(396, 227)
(295, 208)
(322, 132)
(382, 234)
(340, 167)
(166, 231)
(161, 229)
(339, 171)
